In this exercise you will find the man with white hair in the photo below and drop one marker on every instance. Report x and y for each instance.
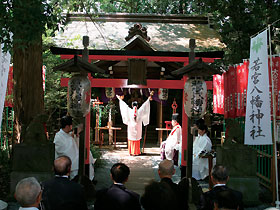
(28, 194)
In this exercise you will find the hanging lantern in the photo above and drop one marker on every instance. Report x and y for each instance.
(110, 92)
(195, 97)
(163, 94)
(78, 99)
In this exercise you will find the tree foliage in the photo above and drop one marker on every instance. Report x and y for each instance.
(235, 20)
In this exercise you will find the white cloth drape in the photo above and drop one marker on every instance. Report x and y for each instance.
(134, 127)
(4, 72)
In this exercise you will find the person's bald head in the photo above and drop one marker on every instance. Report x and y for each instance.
(62, 166)
(166, 168)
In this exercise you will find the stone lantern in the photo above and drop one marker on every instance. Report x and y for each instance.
(195, 95)
(79, 92)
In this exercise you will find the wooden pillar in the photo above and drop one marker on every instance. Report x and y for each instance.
(81, 171)
(159, 121)
(87, 143)
(184, 136)
(110, 124)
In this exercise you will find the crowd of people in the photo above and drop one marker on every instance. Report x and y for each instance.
(61, 193)
(66, 191)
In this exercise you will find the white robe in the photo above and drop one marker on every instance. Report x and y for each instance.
(200, 168)
(65, 144)
(173, 141)
(134, 128)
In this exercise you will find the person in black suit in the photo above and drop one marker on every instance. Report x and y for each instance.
(165, 171)
(117, 197)
(59, 193)
(159, 196)
(219, 178)
(226, 200)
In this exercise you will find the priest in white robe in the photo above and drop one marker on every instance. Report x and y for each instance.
(67, 144)
(133, 118)
(171, 147)
(202, 144)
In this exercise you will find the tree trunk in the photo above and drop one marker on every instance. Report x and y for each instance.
(27, 59)
(28, 89)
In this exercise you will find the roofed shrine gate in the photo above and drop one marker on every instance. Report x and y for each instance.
(139, 56)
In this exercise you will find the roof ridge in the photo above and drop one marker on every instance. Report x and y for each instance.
(140, 17)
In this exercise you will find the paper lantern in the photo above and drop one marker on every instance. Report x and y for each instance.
(195, 98)
(110, 92)
(163, 94)
(78, 99)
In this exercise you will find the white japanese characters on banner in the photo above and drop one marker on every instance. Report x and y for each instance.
(258, 119)
(4, 72)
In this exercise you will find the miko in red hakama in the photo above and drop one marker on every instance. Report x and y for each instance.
(133, 118)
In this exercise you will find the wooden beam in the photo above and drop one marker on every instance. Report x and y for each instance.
(149, 58)
(67, 51)
(122, 83)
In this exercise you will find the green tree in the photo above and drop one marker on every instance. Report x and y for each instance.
(236, 21)
(27, 21)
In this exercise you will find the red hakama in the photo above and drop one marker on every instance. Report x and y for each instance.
(134, 147)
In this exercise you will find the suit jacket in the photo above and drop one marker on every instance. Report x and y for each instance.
(117, 197)
(179, 203)
(60, 193)
(209, 197)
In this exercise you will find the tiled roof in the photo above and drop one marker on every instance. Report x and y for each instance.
(167, 33)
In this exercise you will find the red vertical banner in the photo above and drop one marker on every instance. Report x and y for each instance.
(238, 97)
(230, 93)
(276, 81)
(226, 98)
(9, 91)
(218, 94)
(233, 91)
(241, 89)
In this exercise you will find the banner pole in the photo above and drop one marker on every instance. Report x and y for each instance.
(274, 123)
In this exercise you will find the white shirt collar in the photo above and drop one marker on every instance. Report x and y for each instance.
(28, 208)
(64, 176)
(219, 185)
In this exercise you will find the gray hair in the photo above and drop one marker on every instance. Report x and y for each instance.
(27, 191)
(220, 173)
(166, 167)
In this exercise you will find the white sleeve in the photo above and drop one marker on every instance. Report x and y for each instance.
(59, 145)
(124, 112)
(144, 112)
(179, 139)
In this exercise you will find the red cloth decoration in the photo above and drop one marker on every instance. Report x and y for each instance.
(218, 94)
(10, 89)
